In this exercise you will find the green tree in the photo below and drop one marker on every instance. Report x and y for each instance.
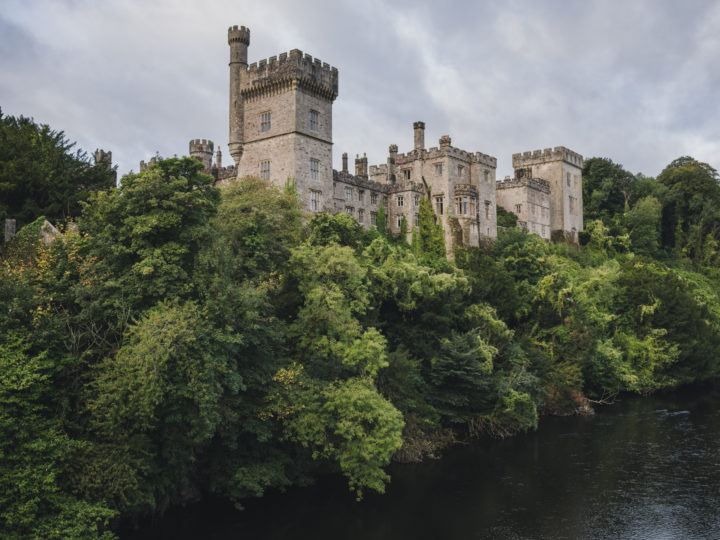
(381, 219)
(643, 222)
(506, 219)
(146, 235)
(41, 175)
(431, 237)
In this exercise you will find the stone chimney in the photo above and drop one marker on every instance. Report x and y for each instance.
(419, 128)
(344, 162)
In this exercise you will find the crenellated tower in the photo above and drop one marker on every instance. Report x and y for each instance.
(239, 40)
(202, 150)
(561, 168)
(281, 119)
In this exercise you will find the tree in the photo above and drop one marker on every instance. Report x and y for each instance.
(506, 219)
(380, 219)
(146, 235)
(41, 175)
(607, 188)
(691, 205)
(431, 237)
(643, 222)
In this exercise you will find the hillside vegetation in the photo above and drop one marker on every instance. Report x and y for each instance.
(184, 339)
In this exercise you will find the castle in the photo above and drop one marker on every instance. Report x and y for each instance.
(281, 128)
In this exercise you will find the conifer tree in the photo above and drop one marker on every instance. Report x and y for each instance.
(430, 232)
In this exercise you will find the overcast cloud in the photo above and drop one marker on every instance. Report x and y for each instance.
(633, 80)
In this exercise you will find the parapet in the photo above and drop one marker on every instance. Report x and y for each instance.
(238, 35)
(533, 183)
(103, 155)
(201, 146)
(311, 73)
(359, 181)
(559, 153)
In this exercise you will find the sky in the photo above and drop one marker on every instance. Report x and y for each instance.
(637, 81)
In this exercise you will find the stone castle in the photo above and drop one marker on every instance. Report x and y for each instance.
(281, 128)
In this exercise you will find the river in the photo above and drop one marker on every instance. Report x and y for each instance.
(640, 468)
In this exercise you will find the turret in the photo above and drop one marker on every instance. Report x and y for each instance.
(202, 150)
(102, 156)
(239, 40)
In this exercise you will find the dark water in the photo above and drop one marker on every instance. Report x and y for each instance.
(641, 468)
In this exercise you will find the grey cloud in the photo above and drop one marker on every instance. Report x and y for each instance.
(636, 81)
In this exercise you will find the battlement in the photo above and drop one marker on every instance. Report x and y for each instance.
(358, 181)
(292, 67)
(466, 189)
(414, 187)
(559, 153)
(201, 145)
(238, 35)
(533, 183)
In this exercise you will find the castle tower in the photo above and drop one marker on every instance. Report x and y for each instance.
(239, 40)
(281, 120)
(202, 150)
(562, 169)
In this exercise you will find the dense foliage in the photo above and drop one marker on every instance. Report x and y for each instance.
(41, 176)
(186, 339)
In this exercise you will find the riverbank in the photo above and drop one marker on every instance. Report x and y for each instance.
(643, 467)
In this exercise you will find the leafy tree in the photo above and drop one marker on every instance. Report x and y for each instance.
(643, 222)
(506, 219)
(607, 188)
(341, 229)
(146, 235)
(346, 421)
(381, 219)
(41, 175)
(690, 205)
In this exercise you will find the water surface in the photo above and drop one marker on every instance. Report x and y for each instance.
(640, 468)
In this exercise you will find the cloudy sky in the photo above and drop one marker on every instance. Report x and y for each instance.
(635, 80)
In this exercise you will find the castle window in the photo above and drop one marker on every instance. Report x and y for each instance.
(349, 210)
(400, 200)
(417, 200)
(407, 174)
(313, 120)
(460, 170)
(573, 205)
(314, 168)
(568, 179)
(315, 200)
(361, 195)
(385, 201)
(265, 121)
(399, 220)
(473, 204)
(473, 228)
(373, 218)
(265, 169)
(486, 175)
(438, 169)
(416, 220)
(348, 193)
(575, 178)
(461, 205)
(373, 198)
(439, 206)
(518, 208)
(487, 209)
(361, 215)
